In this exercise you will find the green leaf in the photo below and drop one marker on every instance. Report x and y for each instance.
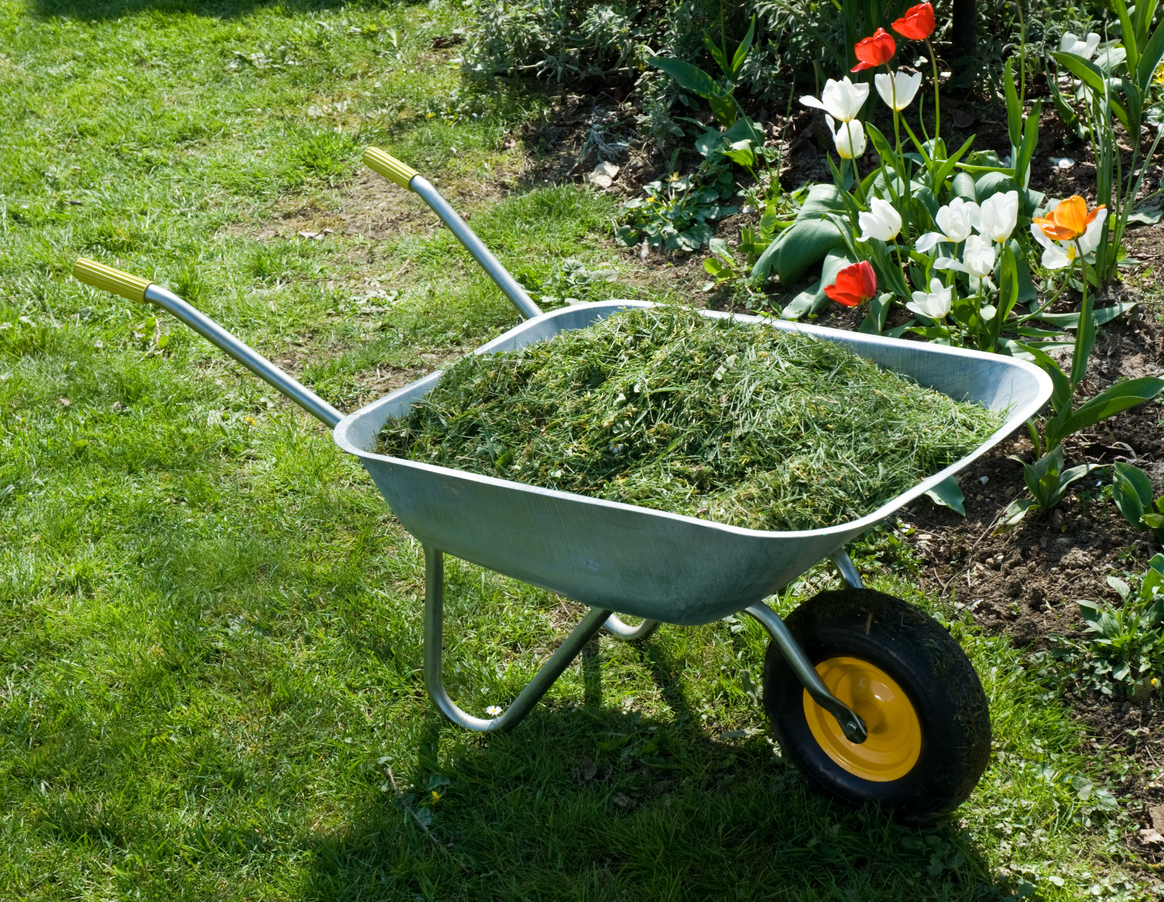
(1014, 110)
(1022, 164)
(1128, 33)
(1132, 492)
(797, 249)
(742, 51)
(717, 54)
(1086, 71)
(1015, 511)
(948, 166)
(1150, 58)
(1115, 399)
(821, 199)
(1146, 215)
(1102, 315)
(948, 493)
(689, 77)
(963, 186)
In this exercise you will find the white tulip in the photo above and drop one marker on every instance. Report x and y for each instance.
(849, 138)
(1084, 48)
(840, 99)
(935, 303)
(956, 220)
(1058, 255)
(897, 90)
(977, 258)
(883, 222)
(998, 215)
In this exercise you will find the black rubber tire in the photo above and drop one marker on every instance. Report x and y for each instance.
(928, 665)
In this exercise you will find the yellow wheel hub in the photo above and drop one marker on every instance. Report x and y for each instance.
(894, 741)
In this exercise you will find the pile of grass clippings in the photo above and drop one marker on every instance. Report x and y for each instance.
(665, 408)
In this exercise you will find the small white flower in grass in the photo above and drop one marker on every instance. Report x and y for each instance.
(1080, 47)
(883, 222)
(956, 220)
(493, 710)
(977, 258)
(897, 90)
(849, 138)
(840, 99)
(998, 215)
(935, 303)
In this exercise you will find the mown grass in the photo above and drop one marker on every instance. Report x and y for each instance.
(210, 624)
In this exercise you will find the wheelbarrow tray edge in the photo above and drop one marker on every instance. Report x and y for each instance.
(638, 561)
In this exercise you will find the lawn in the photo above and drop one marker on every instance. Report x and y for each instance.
(210, 623)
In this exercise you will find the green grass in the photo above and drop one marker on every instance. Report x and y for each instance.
(210, 623)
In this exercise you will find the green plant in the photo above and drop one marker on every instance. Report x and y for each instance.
(1123, 646)
(720, 97)
(1115, 86)
(1047, 481)
(1132, 494)
(1065, 230)
(677, 211)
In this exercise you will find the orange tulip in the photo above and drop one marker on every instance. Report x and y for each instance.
(917, 24)
(875, 51)
(1069, 220)
(854, 285)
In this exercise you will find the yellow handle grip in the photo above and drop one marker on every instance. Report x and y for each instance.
(109, 279)
(389, 167)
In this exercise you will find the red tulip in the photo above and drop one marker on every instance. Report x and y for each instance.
(855, 285)
(917, 24)
(875, 51)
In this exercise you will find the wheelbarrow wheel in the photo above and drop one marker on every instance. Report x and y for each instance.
(901, 671)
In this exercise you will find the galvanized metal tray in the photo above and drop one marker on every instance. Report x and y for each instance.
(643, 562)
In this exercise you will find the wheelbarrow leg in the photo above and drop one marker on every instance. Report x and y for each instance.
(624, 631)
(851, 725)
(434, 604)
(847, 569)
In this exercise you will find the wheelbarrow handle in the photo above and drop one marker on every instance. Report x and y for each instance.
(136, 288)
(407, 177)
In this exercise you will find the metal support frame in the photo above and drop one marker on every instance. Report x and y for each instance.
(850, 723)
(847, 569)
(597, 619)
(555, 665)
(629, 633)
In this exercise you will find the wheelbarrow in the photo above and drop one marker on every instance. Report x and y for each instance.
(870, 697)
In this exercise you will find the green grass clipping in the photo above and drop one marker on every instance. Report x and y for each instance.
(666, 408)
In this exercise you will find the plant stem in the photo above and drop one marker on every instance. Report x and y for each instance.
(937, 102)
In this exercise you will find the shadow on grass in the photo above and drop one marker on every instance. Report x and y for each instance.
(100, 10)
(592, 803)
